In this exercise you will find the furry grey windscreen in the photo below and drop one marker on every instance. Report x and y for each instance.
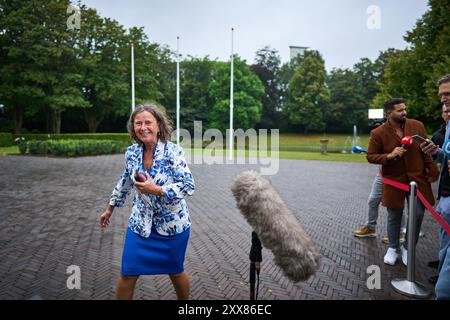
(276, 226)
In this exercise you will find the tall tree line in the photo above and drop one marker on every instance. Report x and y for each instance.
(412, 73)
(53, 79)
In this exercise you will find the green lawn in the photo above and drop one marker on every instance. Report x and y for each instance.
(334, 140)
(291, 155)
(288, 143)
(318, 156)
(9, 150)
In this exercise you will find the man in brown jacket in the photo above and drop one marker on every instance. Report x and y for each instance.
(401, 165)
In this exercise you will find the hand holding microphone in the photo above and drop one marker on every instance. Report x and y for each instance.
(398, 152)
(406, 142)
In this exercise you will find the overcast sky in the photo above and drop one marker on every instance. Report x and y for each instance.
(337, 28)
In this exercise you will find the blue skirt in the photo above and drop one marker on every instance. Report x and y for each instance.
(156, 254)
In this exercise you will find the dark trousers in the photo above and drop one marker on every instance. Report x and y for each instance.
(394, 224)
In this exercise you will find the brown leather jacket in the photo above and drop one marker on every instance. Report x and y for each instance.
(413, 166)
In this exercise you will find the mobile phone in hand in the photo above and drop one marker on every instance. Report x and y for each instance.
(140, 177)
(420, 139)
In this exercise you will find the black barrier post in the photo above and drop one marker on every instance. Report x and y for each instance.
(409, 287)
(255, 260)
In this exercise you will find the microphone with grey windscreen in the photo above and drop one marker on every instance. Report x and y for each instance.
(276, 226)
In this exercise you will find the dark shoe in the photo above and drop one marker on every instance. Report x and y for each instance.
(433, 264)
(433, 279)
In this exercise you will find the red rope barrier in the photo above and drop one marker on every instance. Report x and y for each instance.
(427, 205)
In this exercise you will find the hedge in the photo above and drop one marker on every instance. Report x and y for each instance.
(6, 139)
(75, 148)
(123, 137)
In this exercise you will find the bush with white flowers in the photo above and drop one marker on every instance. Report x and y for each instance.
(23, 145)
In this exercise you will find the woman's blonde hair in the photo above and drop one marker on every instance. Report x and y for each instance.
(164, 123)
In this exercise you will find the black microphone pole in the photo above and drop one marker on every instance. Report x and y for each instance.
(255, 260)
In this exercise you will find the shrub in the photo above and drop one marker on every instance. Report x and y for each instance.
(6, 139)
(23, 145)
(37, 147)
(76, 148)
(122, 137)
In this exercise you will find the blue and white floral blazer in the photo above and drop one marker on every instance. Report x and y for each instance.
(169, 213)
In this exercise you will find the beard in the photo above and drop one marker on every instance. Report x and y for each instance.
(399, 120)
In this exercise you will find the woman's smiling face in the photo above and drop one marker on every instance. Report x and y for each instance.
(146, 127)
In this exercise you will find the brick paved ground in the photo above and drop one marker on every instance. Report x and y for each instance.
(49, 211)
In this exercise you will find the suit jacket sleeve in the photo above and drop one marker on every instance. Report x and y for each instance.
(184, 184)
(430, 165)
(123, 187)
(375, 150)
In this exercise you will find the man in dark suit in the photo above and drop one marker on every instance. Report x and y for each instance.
(441, 155)
(439, 136)
(439, 139)
(401, 165)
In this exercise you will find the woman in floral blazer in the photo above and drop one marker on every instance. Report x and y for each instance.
(159, 225)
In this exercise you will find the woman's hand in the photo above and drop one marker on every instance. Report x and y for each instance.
(104, 218)
(148, 187)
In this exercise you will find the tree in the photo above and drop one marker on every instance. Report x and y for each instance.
(430, 42)
(148, 59)
(18, 72)
(58, 64)
(366, 74)
(165, 71)
(248, 91)
(413, 72)
(40, 72)
(348, 105)
(267, 68)
(102, 45)
(402, 79)
(352, 91)
(196, 76)
(307, 93)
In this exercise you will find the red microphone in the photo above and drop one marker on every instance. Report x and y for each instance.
(406, 142)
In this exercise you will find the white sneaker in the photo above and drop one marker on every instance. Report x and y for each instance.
(404, 256)
(391, 256)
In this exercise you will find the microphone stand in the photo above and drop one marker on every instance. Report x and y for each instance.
(255, 267)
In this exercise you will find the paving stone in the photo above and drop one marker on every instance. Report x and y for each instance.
(50, 209)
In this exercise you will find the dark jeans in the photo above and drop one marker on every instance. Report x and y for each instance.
(394, 224)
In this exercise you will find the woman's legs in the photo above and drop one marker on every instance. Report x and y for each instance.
(180, 282)
(125, 287)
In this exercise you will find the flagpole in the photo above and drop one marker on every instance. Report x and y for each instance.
(132, 79)
(178, 91)
(231, 98)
